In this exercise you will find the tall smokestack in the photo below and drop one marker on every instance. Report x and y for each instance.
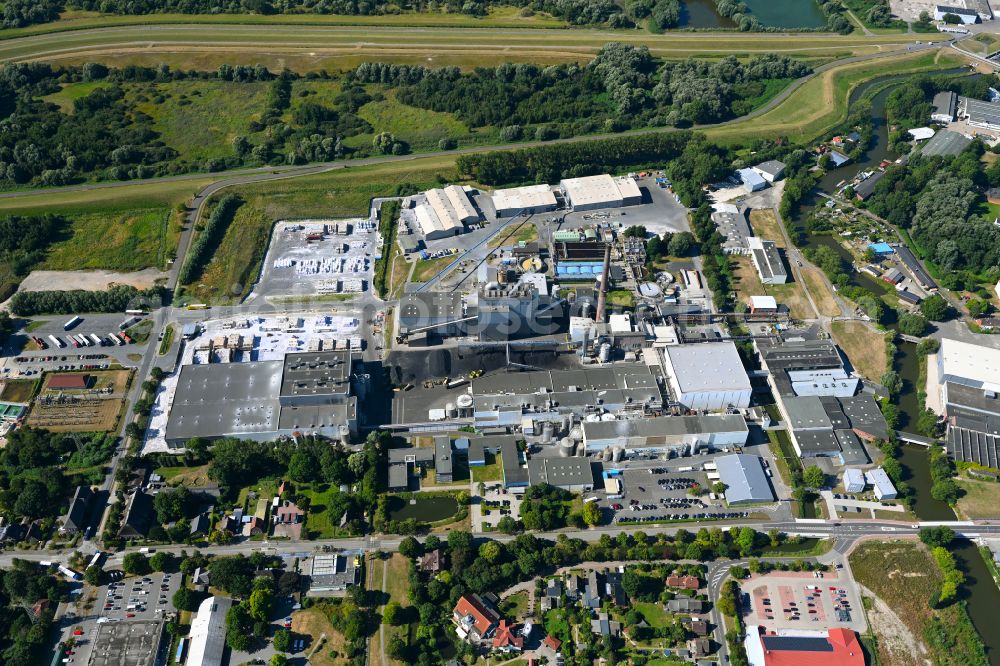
(602, 296)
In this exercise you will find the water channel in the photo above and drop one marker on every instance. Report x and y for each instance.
(776, 13)
(981, 593)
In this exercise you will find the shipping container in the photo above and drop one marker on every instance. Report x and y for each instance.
(71, 323)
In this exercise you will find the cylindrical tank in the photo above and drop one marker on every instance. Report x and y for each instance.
(566, 447)
(616, 454)
(606, 455)
(607, 417)
(451, 410)
(605, 354)
(464, 400)
(547, 431)
(585, 309)
(576, 434)
(591, 418)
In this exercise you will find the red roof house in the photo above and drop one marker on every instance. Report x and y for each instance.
(685, 582)
(474, 617)
(840, 647)
(553, 642)
(507, 639)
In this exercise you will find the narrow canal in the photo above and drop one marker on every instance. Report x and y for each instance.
(980, 592)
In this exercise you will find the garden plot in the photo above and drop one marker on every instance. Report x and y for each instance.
(319, 257)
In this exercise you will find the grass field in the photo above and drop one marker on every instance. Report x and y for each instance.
(421, 128)
(820, 291)
(765, 224)
(114, 200)
(18, 390)
(525, 233)
(314, 623)
(397, 586)
(200, 118)
(864, 347)
(127, 240)
(821, 102)
(981, 499)
(168, 339)
(491, 471)
(71, 92)
(746, 283)
(184, 476)
(311, 42)
(237, 260)
(318, 520)
(515, 607)
(425, 269)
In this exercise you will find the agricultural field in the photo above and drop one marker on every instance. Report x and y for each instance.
(864, 346)
(95, 409)
(397, 586)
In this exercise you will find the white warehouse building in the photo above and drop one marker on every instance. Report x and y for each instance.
(685, 434)
(707, 376)
(604, 191)
(446, 212)
(208, 632)
(528, 199)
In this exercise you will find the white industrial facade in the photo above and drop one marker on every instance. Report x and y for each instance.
(446, 212)
(660, 434)
(604, 191)
(529, 199)
(208, 632)
(707, 376)
(961, 364)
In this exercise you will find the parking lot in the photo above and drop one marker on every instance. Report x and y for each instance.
(494, 505)
(659, 493)
(138, 597)
(318, 257)
(803, 600)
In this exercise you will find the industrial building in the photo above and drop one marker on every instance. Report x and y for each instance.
(946, 143)
(530, 199)
(135, 643)
(263, 400)
(881, 483)
(333, 574)
(745, 479)
(658, 435)
(978, 113)
(967, 16)
(854, 480)
(734, 227)
(767, 260)
(801, 647)
(439, 313)
(572, 474)
(752, 180)
(594, 192)
(707, 376)
(963, 383)
(208, 632)
(445, 213)
(529, 400)
(771, 170)
(866, 187)
(944, 107)
(507, 311)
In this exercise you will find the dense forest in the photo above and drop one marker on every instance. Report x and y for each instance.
(24, 638)
(623, 87)
(107, 136)
(23, 241)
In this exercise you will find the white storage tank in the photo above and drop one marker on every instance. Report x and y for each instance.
(566, 447)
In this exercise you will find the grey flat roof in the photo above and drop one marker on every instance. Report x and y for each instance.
(409, 454)
(443, 462)
(744, 475)
(399, 476)
(316, 373)
(618, 376)
(713, 366)
(560, 471)
(817, 441)
(946, 143)
(665, 426)
(806, 413)
(800, 355)
(129, 643)
(431, 305)
(316, 416)
(907, 257)
(864, 414)
(867, 186)
(771, 167)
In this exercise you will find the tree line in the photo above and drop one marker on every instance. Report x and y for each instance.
(209, 238)
(117, 298)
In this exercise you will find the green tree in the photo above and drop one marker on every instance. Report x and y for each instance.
(490, 551)
(935, 308)
(278, 660)
(410, 548)
(94, 574)
(162, 561)
(239, 628)
(185, 599)
(507, 525)
(282, 640)
(592, 514)
(392, 614)
(934, 537)
(681, 244)
(135, 564)
(813, 477)
(892, 382)
(260, 604)
(912, 324)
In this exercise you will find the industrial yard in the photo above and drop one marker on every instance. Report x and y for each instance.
(89, 401)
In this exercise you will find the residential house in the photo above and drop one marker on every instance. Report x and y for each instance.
(699, 647)
(552, 594)
(685, 605)
(288, 519)
(697, 626)
(605, 626)
(138, 516)
(77, 513)
(684, 582)
(552, 643)
(507, 639)
(200, 525)
(254, 526)
(475, 618)
(432, 561)
(593, 590)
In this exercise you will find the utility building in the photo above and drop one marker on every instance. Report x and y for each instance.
(530, 199)
(707, 376)
(745, 479)
(445, 213)
(767, 260)
(208, 632)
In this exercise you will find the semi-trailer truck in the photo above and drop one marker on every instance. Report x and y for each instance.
(57, 341)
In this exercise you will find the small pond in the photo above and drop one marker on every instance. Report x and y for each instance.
(424, 509)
